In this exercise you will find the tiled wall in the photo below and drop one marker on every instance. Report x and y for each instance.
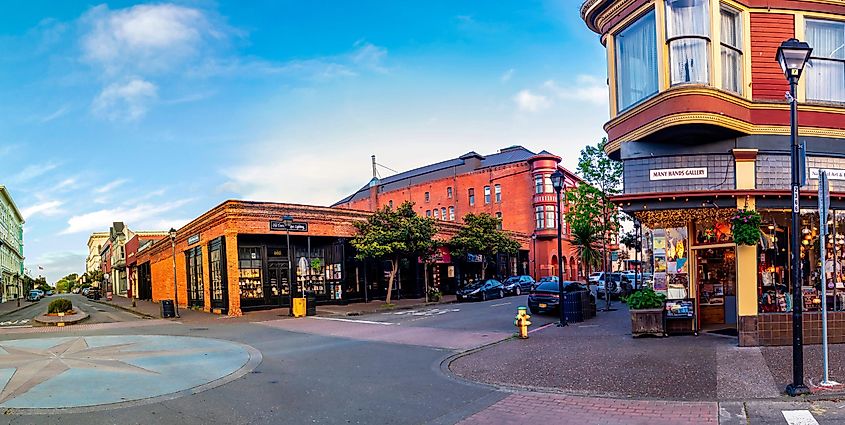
(773, 172)
(776, 329)
(720, 173)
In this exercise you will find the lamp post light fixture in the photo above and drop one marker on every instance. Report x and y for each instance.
(557, 183)
(792, 55)
(172, 234)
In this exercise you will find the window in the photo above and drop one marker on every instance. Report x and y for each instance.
(449, 192)
(193, 261)
(436, 215)
(428, 213)
(486, 195)
(547, 184)
(390, 204)
(540, 218)
(471, 196)
(427, 197)
(551, 217)
(498, 190)
(538, 184)
(826, 69)
(250, 273)
(499, 224)
(688, 33)
(451, 213)
(443, 213)
(731, 50)
(636, 62)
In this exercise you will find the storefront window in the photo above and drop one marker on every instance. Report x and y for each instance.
(636, 62)
(688, 32)
(249, 273)
(670, 250)
(196, 292)
(712, 231)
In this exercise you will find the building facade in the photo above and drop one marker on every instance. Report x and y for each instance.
(513, 184)
(699, 119)
(11, 248)
(95, 245)
(120, 254)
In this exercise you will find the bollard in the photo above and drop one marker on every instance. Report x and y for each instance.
(522, 322)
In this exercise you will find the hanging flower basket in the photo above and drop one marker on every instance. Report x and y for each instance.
(745, 226)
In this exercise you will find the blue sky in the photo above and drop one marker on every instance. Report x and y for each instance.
(152, 113)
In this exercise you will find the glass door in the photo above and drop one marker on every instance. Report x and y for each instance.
(278, 284)
(716, 279)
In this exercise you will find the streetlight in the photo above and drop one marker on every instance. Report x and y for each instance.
(534, 241)
(637, 247)
(172, 233)
(557, 183)
(288, 221)
(792, 56)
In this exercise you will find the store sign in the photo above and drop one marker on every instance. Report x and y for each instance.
(293, 227)
(678, 173)
(193, 239)
(832, 174)
(475, 258)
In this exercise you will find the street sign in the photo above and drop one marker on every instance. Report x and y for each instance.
(293, 227)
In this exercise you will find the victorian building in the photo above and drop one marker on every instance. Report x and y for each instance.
(11, 248)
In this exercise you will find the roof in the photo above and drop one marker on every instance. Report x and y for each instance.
(434, 171)
(5, 193)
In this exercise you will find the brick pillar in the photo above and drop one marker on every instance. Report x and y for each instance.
(232, 273)
(746, 256)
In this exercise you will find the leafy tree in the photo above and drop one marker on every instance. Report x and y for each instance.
(586, 236)
(391, 234)
(67, 283)
(481, 235)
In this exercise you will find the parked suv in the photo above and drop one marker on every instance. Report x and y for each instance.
(615, 282)
(516, 285)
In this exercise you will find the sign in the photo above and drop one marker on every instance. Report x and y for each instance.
(293, 227)
(678, 173)
(193, 239)
(680, 309)
(475, 258)
(832, 174)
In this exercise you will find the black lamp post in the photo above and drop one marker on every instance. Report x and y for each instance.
(557, 183)
(172, 234)
(534, 258)
(637, 246)
(792, 56)
(288, 221)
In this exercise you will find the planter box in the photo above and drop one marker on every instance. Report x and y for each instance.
(647, 322)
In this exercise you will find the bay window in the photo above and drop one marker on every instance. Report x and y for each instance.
(636, 62)
(540, 218)
(551, 217)
(826, 68)
(688, 35)
(731, 39)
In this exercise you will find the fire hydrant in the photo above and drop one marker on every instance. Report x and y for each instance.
(522, 322)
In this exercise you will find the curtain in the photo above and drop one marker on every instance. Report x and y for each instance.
(688, 56)
(825, 77)
(731, 57)
(636, 62)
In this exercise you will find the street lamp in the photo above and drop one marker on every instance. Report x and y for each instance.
(792, 56)
(637, 247)
(288, 221)
(557, 183)
(172, 234)
(534, 241)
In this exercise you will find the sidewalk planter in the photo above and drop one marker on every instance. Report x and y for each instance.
(647, 322)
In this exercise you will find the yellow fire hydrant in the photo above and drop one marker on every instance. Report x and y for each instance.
(522, 322)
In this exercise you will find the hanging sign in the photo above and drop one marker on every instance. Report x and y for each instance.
(832, 174)
(293, 227)
(678, 173)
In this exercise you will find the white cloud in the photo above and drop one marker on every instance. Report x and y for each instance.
(507, 75)
(587, 88)
(369, 56)
(531, 102)
(46, 208)
(108, 187)
(141, 216)
(33, 171)
(125, 101)
(58, 264)
(58, 113)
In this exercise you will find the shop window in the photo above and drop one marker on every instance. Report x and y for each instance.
(196, 292)
(427, 197)
(636, 62)
(471, 196)
(538, 184)
(216, 273)
(670, 259)
(826, 68)
(443, 213)
(250, 273)
(321, 270)
(711, 231)
(451, 213)
(539, 218)
(449, 192)
(486, 195)
(731, 50)
(773, 275)
(688, 34)
(498, 191)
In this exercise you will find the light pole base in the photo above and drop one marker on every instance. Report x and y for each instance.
(797, 390)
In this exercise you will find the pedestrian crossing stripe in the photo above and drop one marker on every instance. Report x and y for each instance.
(799, 417)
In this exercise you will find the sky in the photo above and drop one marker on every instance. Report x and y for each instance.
(153, 113)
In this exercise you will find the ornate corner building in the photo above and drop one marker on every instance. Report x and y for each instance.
(11, 248)
(699, 118)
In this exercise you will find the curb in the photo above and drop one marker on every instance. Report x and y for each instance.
(127, 309)
(72, 321)
(380, 310)
(28, 305)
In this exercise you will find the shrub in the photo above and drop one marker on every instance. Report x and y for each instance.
(61, 305)
(644, 299)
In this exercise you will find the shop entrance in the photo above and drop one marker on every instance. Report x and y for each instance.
(716, 281)
(279, 284)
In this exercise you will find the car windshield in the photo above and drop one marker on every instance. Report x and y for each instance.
(548, 287)
(512, 279)
(474, 285)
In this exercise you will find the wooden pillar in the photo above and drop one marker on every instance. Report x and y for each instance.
(746, 256)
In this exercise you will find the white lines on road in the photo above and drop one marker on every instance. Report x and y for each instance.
(427, 313)
(541, 327)
(799, 417)
(499, 304)
(366, 322)
(15, 323)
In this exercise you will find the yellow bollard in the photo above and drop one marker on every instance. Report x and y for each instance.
(522, 322)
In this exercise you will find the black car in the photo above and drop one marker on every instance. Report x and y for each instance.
(516, 285)
(93, 294)
(482, 290)
(545, 298)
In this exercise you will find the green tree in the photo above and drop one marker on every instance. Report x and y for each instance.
(67, 283)
(391, 234)
(584, 219)
(481, 235)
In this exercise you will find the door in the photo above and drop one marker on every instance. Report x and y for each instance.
(196, 292)
(219, 287)
(145, 287)
(716, 280)
(278, 280)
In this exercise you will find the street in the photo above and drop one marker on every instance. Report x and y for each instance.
(98, 312)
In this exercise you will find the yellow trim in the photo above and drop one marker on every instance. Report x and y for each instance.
(718, 245)
(715, 43)
(746, 175)
(799, 34)
(664, 77)
(746, 270)
(611, 75)
(748, 92)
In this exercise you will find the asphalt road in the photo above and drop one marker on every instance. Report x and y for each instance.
(99, 313)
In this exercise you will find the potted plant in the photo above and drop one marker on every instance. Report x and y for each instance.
(745, 226)
(646, 308)
(434, 294)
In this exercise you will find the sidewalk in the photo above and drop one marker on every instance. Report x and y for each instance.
(12, 306)
(360, 308)
(152, 310)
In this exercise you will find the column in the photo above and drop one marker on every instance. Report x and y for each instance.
(746, 256)
(234, 291)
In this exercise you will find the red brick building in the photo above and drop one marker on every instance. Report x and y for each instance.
(512, 184)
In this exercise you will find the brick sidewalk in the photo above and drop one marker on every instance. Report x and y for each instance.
(527, 408)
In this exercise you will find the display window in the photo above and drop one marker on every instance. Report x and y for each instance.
(196, 291)
(250, 273)
(670, 255)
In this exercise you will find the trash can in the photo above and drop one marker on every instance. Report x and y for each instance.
(586, 305)
(167, 309)
(572, 307)
(298, 308)
(310, 303)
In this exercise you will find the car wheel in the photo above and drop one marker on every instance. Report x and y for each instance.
(517, 292)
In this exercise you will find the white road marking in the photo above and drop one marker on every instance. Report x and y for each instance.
(499, 304)
(14, 322)
(799, 417)
(366, 322)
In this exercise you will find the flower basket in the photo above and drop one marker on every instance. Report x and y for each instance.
(745, 226)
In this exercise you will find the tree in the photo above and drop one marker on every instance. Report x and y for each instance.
(481, 235)
(391, 234)
(584, 217)
(67, 283)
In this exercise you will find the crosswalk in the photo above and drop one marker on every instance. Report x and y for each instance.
(799, 417)
(423, 313)
(15, 323)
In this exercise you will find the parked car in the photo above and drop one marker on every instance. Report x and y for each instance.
(33, 295)
(545, 298)
(615, 281)
(40, 293)
(93, 293)
(595, 277)
(516, 285)
(84, 291)
(49, 293)
(481, 290)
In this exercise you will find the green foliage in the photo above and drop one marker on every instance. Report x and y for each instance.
(598, 170)
(434, 294)
(481, 235)
(67, 283)
(630, 240)
(61, 305)
(745, 226)
(645, 298)
(585, 236)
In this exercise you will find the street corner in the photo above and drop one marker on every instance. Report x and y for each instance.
(90, 373)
